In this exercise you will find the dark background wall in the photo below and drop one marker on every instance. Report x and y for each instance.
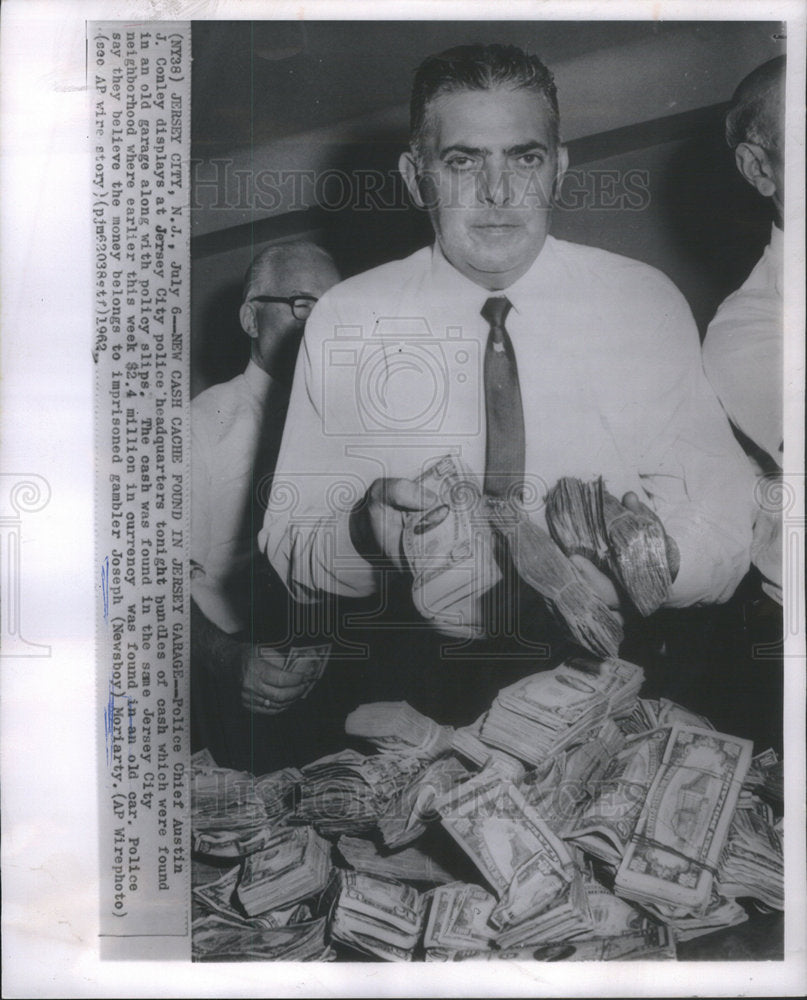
(641, 105)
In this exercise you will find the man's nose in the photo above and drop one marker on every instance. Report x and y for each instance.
(494, 185)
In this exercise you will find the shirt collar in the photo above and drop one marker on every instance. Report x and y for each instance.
(450, 279)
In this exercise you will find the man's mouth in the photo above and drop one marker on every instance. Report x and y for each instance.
(496, 227)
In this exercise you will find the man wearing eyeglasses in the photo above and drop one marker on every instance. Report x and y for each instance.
(236, 431)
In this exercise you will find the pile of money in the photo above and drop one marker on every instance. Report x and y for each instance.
(606, 822)
(459, 916)
(679, 838)
(541, 715)
(753, 860)
(378, 916)
(629, 545)
(294, 866)
(229, 815)
(396, 727)
(412, 809)
(217, 941)
(524, 863)
(347, 792)
(603, 826)
(449, 549)
(543, 565)
(409, 864)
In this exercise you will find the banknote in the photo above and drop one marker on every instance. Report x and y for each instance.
(679, 837)
(459, 917)
(449, 549)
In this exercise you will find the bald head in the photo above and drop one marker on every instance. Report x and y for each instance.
(755, 130)
(757, 107)
(279, 264)
(288, 271)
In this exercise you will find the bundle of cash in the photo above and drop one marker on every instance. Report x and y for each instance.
(228, 816)
(753, 860)
(459, 918)
(685, 924)
(449, 549)
(347, 792)
(619, 679)
(397, 727)
(766, 777)
(294, 866)
(543, 566)
(679, 837)
(542, 714)
(412, 809)
(466, 743)
(525, 864)
(565, 919)
(409, 864)
(612, 916)
(378, 916)
(605, 825)
(215, 941)
(276, 790)
(655, 943)
(218, 898)
(631, 546)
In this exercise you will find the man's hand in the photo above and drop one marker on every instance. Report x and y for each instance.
(603, 585)
(266, 688)
(376, 524)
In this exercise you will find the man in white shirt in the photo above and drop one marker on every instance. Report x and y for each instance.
(390, 375)
(236, 428)
(743, 351)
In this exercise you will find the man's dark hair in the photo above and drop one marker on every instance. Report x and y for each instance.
(478, 67)
(756, 108)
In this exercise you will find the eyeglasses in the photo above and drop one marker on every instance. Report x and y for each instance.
(301, 305)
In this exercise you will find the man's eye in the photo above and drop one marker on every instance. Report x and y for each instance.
(530, 160)
(461, 163)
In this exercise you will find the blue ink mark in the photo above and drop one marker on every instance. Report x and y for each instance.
(109, 715)
(105, 585)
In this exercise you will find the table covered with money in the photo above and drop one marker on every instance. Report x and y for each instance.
(573, 820)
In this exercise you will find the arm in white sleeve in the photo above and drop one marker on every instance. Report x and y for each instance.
(694, 472)
(317, 479)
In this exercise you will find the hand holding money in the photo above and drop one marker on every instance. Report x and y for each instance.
(449, 550)
(620, 548)
(376, 523)
(271, 680)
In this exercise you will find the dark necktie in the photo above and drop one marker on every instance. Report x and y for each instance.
(504, 453)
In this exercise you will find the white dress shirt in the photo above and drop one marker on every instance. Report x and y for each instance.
(227, 421)
(390, 378)
(743, 355)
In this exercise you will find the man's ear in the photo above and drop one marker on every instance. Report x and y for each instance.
(560, 172)
(411, 176)
(249, 321)
(755, 166)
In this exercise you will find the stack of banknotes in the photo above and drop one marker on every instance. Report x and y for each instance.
(609, 827)
(378, 916)
(630, 545)
(449, 549)
(544, 713)
(347, 792)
